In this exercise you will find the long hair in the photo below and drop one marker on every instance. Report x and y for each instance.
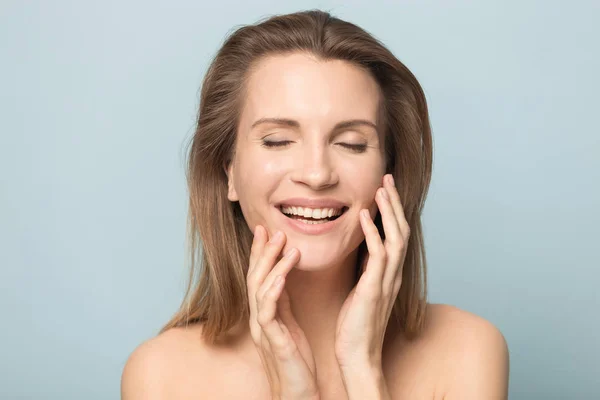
(216, 294)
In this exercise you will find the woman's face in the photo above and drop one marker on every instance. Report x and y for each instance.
(314, 102)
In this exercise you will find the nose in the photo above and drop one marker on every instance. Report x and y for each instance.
(314, 168)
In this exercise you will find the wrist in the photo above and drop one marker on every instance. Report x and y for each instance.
(360, 365)
(367, 382)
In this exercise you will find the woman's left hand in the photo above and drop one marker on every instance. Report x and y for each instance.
(364, 315)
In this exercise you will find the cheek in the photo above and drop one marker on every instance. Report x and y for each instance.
(271, 167)
(257, 176)
(247, 168)
(368, 171)
(365, 182)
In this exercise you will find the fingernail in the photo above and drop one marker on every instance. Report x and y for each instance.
(364, 213)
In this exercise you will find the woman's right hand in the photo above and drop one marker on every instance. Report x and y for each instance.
(282, 345)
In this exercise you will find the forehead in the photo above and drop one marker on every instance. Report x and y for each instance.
(313, 91)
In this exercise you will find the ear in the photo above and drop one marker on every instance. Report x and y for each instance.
(231, 193)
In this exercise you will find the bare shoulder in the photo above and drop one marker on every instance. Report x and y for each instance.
(180, 364)
(475, 361)
(445, 322)
(458, 355)
(155, 365)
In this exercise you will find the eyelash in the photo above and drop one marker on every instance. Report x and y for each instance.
(357, 148)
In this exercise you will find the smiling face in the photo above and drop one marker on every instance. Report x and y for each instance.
(322, 154)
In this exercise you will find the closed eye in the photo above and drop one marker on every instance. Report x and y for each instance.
(267, 143)
(357, 148)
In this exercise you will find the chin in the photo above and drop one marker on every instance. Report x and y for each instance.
(317, 259)
(312, 267)
(313, 263)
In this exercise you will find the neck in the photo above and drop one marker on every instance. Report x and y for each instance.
(316, 298)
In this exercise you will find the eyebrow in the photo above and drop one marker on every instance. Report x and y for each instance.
(295, 124)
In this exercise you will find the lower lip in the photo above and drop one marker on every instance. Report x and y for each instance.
(312, 229)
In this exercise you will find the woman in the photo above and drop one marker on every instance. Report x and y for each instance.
(307, 174)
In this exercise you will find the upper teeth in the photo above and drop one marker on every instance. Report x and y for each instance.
(317, 213)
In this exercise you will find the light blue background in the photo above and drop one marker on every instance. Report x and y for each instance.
(97, 101)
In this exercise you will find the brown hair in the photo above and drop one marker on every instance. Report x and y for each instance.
(217, 294)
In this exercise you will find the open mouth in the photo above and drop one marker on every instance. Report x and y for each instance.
(311, 220)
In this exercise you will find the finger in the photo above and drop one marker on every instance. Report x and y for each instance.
(377, 256)
(397, 206)
(283, 266)
(393, 240)
(267, 308)
(258, 244)
(266, 260)
(266, 317)
(268, 298)
(402, 223)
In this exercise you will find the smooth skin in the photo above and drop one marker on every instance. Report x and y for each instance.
(281, 343)
(459, 356)
(343, 346)
(363, 319)
(365, 313)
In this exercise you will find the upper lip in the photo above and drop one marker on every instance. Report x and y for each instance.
(312, 203)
